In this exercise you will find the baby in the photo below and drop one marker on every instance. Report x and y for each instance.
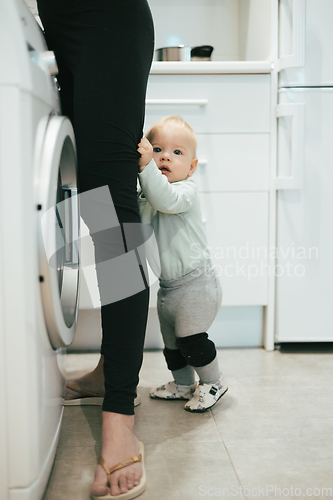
(190, 294)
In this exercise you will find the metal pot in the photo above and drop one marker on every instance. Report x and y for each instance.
(178, 53)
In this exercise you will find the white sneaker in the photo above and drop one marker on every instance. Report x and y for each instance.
(206, 396)
(171, 390)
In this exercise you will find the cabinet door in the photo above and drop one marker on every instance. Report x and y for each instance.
(304, 292)
(211, 103)
(236, 226)
(305, 43)
(232, 162)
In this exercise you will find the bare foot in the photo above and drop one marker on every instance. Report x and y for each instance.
(91, 382)
(118, 445)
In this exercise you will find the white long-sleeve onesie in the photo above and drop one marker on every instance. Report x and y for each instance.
(173, 211)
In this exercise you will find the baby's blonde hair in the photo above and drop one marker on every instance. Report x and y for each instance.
(174, 121)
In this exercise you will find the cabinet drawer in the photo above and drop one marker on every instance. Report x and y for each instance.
(232, 162)
(211, 103)
(236, 226)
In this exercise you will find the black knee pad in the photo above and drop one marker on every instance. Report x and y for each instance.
(197, 349)
(174, 359)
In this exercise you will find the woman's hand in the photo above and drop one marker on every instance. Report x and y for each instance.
(146, 151)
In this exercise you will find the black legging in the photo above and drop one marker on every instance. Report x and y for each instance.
(104, 51)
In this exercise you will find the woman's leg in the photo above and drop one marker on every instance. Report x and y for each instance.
(105, 49)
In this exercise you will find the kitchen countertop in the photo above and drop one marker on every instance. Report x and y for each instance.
(210, 67)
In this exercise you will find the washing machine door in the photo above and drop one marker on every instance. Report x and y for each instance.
(58, 209)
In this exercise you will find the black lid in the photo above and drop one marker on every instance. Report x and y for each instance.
(202, 51)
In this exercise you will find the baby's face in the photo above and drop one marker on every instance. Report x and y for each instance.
(173, 154)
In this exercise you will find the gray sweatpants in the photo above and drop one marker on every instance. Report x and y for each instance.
(189, 304)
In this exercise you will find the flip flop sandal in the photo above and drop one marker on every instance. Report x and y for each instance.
(134, 492)
(89, 398)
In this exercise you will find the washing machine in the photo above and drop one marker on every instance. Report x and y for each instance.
(39, 254)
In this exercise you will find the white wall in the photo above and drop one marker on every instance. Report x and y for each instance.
(254, 30)
(198, 22)
(237, 29)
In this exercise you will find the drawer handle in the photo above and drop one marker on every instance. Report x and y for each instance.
(177, 102)
(296, 111)
(202, 163)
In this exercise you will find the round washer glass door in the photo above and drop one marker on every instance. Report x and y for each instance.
(59, 231)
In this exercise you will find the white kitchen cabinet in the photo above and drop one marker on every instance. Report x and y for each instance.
(232, 162)
(212, 103)
(232, 122)
(236, 225)
(231, 116)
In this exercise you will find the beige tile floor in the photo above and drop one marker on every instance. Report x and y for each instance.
(271, 435)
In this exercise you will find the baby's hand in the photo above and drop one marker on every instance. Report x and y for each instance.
(146, 151)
